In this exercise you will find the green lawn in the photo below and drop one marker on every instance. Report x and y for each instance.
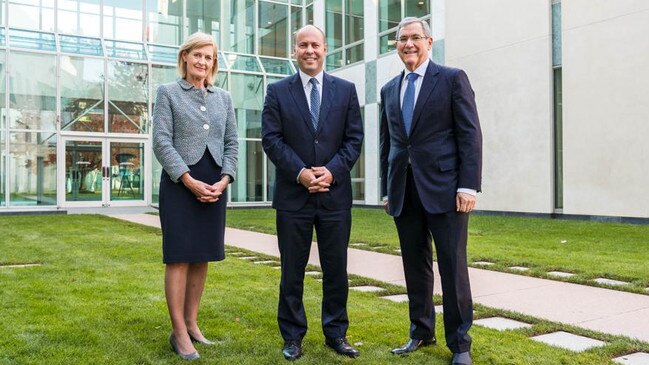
(98, 299)
(588, 249)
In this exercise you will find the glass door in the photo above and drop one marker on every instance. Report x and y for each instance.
(103, 172)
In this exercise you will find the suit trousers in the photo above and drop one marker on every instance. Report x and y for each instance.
(295, 233)
(449, 231)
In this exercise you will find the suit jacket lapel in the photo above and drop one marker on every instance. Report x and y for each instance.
(297, 92)
(328, 90)
(427, 85)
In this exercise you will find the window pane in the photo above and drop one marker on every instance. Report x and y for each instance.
(242, 25)
(3, 39)
(417, 8)
(32, 40)
(389, 14)
(79, 17)
(83, 166)
(82, 90)
(222, 63)
(247, 96)
(309, 14)
(354, 54)
(79, 45)
(163, 17)
(123, 20)
(32, 14)
(334, 60)
(354, 25)
(243, 63)
(127, 97)
(163, 54)
(249, 184)
(296, 23)
(273, 29)
(204, 16)
(334, 23)
(221, 80)
(3, 106)
(275, 66)
(270, 180)
(556, 34)
(387, 42)
(32, 162)
(3, 200)
(126, 165)
(131, 51)
(32, 87)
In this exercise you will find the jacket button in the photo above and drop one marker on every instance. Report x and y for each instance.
(203, 108)
(316, 141)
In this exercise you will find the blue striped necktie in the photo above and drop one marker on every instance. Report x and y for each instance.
(408, 107)
(315, 102)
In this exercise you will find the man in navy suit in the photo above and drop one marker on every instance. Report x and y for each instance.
(431, 162)
(312, 131)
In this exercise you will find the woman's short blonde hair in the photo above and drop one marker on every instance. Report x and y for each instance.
(198, 40)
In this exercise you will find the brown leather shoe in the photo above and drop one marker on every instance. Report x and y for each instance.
(412, 345)
(342, 347)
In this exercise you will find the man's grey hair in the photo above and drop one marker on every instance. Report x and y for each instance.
(410, 20)
(324, 38)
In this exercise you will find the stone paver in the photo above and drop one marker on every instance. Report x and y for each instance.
(367, 288)
(399, 298)
(265, 262)
(594, 308)
(501, 324)
(519, 268)
(357, 244)
(483, 263)
(612, 282)
(638, 358)
(312, 273)
(561, 274)
(568, 341)
(18, 266)
(248, 257)
(277, 267)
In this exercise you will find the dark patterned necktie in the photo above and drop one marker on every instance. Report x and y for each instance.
(315, 102)
(408, 106)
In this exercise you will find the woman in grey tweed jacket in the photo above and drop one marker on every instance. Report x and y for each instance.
(195, 140)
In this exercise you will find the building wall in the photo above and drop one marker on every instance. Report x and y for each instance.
(606, 107)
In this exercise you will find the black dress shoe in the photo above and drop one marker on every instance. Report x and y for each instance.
(461, 358)
(412, 345)
(342, 347)
(292, 350)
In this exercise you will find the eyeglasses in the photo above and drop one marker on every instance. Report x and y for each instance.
(414, 38)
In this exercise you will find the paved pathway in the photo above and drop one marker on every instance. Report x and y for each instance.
(604, 310)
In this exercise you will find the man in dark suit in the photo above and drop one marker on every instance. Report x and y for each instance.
(312, 131)
(431, 161)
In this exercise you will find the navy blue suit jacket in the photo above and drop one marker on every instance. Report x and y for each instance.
(444, 146)
(291, 142)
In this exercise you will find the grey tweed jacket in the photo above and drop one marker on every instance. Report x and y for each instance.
(186, 120)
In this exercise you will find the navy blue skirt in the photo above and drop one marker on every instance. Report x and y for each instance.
(192, 231)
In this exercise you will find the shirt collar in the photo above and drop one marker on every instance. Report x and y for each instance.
(186, 85)
(421, 70)
(305, 78)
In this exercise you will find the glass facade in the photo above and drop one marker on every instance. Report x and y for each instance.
(344, 29)
(392, 11)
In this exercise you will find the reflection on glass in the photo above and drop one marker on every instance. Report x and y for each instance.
(3, 106)
(82, 90)
(222, 64)
(242, 25)
(334, 23)
(3, 201)
(126, 167)
(243, 63)
(163, 21)
(32, 14)
(221, 80)
(276, 66)
(270, 180)
(309, 14)
(32, 164)
(334, 60)
(204, 16)
(130, 51)
(357, 172)
(354, 21)
(387, 42)
(32, 40)
(249, 184)
(123, 20)
(127, 97)
(3, 38)
(163, 54)
(273, 29)
(80, 45)
(354, 54)
(389, 14)
(296, 23)
(80, 17)
(156, 169)
(247, 97)
(83, 171)
(32, 88)
(417, 8)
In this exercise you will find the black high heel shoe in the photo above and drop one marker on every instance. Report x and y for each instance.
(174, 346)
